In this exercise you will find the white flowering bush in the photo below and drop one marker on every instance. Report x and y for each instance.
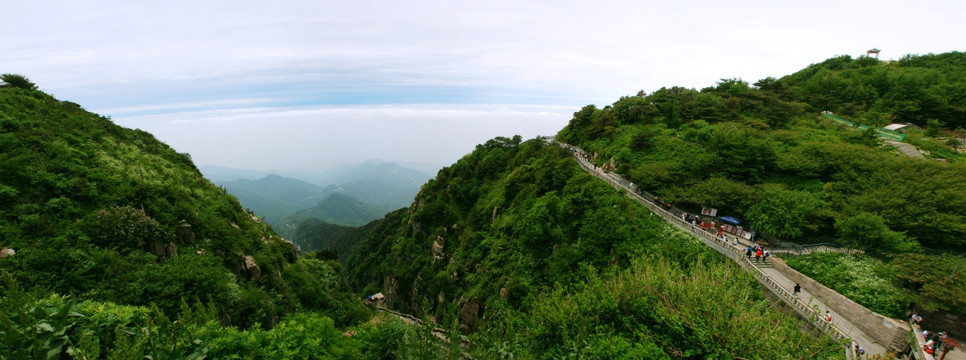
(864, 279)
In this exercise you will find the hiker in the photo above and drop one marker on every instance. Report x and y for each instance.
(916, 319)
(828, 316)
(748, 252)
(758, 255)
(704, 226)
(797, 289)
(938, 340)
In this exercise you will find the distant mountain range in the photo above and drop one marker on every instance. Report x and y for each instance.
(274, 197)
(325, 176)
(336, 209)
(352, 196)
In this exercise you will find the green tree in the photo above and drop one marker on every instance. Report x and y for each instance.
(933, 127)
(783, 213)
(17, 81)
(124, 228)
(868, 231)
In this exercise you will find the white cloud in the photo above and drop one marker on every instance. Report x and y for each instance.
(316, 137)
(126, 58)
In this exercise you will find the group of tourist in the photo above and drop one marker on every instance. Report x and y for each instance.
(697, 221)
(758, 251)
(934, 341)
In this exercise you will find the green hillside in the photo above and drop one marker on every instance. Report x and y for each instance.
(337, 209)
(514, 245)
(317, 235)
(765, 154)
(786, 169)
(924, 90)
(114, 235)
(517, 245)
(273, 197)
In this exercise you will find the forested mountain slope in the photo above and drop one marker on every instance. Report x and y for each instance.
(337, 209)
(96, 211)
(763, 155)
(517, 245)
(927, 90)
(273, 197)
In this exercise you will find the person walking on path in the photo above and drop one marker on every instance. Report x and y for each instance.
(797, 289)
(748, 252)
(758, 256)
(828, 316)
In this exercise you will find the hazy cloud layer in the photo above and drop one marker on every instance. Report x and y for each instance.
(317, 137)
(198, 61)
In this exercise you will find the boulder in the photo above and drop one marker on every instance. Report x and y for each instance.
(162, 250)
(470, 313)
(438, 248)
(252, 267)
(184, 233)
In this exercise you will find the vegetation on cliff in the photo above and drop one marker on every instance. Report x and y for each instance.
(766, 154)
(538, 259)
(111, 217)
(514, 244)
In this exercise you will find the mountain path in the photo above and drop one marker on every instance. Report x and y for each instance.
(811, 308)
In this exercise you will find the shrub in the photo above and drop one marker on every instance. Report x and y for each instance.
(17, 81)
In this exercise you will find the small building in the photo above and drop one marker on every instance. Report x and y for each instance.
(900, 127)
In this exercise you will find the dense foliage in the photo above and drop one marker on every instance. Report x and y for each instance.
(867, 281)
(927, 90)
(336, 208)
(98, 212)
(514, 244)
(889, 287)
(317, 235)
(765, 154)
(54, 327)
(273, 198)
(562, 265)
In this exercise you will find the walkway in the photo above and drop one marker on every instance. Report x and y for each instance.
(906, 149)
(810, 308)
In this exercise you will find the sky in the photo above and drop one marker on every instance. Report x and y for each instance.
(306, 84)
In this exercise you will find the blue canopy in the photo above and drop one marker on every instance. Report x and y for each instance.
(730, 220)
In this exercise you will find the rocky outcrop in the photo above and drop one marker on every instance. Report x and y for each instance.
(184, 233)
(163, 250)
(470, 313)
(438, 248)
(252, 267)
